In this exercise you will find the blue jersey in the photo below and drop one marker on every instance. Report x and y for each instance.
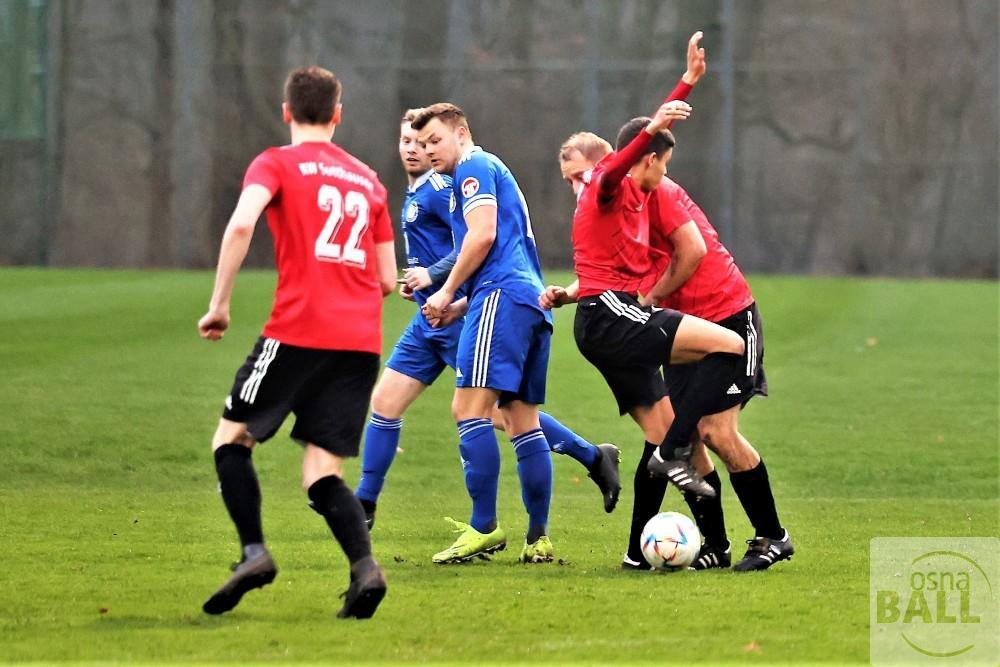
(426, 224)
(480, 179)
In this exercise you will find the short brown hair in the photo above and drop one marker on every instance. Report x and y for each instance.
(591, 147)
(446, 111)
(409, 115)
(311, 94)
(661, 143)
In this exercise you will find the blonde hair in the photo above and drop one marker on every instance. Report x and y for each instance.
(409, 115)
(590, 146)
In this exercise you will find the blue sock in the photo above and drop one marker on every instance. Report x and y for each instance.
(381, 440)
(564, 441)
(534, 467)
(481, 460)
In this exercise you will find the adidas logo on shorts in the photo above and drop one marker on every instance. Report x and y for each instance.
(733, 389)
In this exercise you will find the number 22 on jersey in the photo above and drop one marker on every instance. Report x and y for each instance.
(354, 205)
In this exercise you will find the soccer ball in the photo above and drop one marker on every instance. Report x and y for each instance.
(670, 541)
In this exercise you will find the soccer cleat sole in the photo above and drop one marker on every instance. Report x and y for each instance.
(482, 555)
(223, 601)
(365, 604)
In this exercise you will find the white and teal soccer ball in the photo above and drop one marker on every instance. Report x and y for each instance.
(670, 541)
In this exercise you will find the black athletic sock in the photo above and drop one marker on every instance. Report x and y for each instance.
(711, 376)
(649, 493)
(753, 488)
(708, 514)
(335, 502)
(240, 491)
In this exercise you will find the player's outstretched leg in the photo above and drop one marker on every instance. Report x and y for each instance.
(481, 460)
(601, 461)
(381, 442)
(241, 494)
(332, 499)
(534, 468)
(718, 352)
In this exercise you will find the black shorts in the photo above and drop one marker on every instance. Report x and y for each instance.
(628, 344)
(327, 390)
(750, 381)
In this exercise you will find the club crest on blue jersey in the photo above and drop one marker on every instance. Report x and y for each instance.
(412, 211)
(470, 186)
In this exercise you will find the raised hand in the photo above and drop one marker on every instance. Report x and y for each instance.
(695, 60)
(667, 114)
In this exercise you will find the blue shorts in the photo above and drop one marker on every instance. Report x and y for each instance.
(422, 354)
(504, 346)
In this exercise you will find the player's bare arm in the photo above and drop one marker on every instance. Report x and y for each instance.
(482, 225)
(689, 249)
(235, 244)
(557, 297)
(385, 262)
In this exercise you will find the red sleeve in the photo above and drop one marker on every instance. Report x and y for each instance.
(669, 212)
(610, 178)
(680, 92)
(264, 170)
(382, 231)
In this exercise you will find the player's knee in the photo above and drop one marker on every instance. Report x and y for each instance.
(385, 404)
(733, 343)
(232, 433)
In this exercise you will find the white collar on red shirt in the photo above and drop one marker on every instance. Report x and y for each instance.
(420, 181)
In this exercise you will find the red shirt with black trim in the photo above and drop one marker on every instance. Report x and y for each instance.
(327, 212)
(717, 289)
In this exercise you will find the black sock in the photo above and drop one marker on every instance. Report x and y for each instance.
(335, 502)
(649, 493)
(708, 514)
(711, 376)
(240, 491)
(367, 505)
(753, 488)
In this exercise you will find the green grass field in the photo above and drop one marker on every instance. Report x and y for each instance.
(882, 421)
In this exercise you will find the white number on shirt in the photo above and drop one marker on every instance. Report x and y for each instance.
(355, 205)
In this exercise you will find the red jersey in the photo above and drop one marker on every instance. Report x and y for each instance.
(611, 239)
(327, 212)
(611, 223)
(717, 288)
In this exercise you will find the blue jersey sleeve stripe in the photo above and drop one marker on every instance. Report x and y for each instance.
(469, 208)
(476, 202)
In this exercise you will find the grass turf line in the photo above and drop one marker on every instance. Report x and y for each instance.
(883, 421)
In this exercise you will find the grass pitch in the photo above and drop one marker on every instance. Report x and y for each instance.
(882, 421)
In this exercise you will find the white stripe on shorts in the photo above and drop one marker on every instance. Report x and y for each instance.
(616, 306)
(751, 346)
(484, 340)
(248, 393)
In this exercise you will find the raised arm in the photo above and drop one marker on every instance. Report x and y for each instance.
(610, 179)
